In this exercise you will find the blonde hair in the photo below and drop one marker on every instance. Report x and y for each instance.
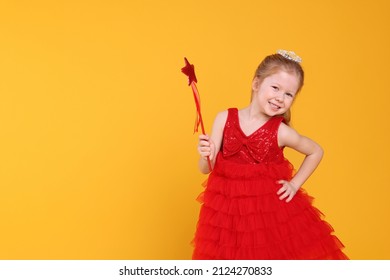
(274, 63)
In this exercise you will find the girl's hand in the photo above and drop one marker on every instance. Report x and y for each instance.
(206, 147)
(288, 190)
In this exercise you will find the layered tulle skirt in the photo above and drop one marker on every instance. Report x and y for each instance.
(241, 217)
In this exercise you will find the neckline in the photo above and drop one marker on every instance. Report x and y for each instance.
(255, 131)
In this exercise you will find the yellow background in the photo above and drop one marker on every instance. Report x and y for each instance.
(97, 155)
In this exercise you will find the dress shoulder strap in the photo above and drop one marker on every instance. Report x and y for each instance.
(275, 122)
(233, 114)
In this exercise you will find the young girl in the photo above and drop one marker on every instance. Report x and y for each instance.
(253, 204)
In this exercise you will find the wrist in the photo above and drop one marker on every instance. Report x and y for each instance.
(295, 185)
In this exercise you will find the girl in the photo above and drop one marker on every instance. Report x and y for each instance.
(253, 204)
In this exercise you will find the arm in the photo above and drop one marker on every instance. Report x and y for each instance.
(313, 154)
(210, 145)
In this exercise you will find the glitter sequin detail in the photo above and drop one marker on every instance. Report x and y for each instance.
(259, 147)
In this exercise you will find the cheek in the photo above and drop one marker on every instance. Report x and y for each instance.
(256, 95)
(289, 102)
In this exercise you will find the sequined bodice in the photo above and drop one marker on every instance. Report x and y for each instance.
(259, 147)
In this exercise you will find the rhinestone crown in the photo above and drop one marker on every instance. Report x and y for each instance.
(290, 55)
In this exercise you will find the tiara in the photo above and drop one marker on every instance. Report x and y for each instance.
(290, 55)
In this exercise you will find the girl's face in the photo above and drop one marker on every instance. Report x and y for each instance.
(276, 93)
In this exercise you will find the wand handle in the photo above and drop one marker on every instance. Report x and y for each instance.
(197, 102)
(203, 131)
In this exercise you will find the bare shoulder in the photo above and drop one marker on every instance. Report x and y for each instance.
(218, 128)
(287, 136)
(222, 115)
(221, 118)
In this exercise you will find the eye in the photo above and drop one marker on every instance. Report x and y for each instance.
(275, 88)
(289, 95)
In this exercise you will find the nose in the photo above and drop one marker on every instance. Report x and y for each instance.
(280, 97)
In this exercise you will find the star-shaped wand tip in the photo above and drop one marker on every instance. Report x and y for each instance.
(189, 70)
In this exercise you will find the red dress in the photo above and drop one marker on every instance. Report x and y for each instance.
(241, 216)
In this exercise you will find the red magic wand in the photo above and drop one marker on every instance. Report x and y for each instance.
(189, 70)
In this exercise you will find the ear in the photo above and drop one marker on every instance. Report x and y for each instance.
(256, 84)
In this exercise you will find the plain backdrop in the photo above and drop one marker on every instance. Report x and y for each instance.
(97, 153)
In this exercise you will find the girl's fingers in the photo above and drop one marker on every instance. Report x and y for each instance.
(281, 190)
(283, 196)
(205, 146)
(286, 191)
(289, 197)
(204, 151)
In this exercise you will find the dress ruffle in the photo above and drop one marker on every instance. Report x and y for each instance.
(242, 217)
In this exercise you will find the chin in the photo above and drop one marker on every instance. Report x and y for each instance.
(274, 114)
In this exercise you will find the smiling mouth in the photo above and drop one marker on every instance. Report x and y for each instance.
(274, 106)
